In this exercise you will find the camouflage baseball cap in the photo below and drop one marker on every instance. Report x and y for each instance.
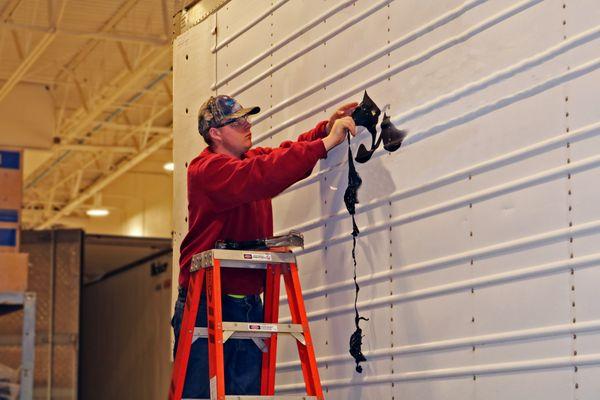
(219, 111)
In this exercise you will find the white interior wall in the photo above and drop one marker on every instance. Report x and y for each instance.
(477, 256)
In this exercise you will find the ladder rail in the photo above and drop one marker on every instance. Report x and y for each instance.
(298, 313)
(216, 368)
(272, 292)
(186, 333)
(206, 273)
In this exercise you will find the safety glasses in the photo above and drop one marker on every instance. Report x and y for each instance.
(238, 123)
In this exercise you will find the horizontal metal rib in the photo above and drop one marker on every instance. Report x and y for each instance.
(247, 27)
(314, 44)
(557, 140)
(543, 332)
(274, 47)
(376, 55)
(454, 287)
(462, 371)
(404, 65)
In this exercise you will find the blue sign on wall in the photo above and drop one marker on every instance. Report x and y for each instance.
(9, 216)
(8, 237)
(10, 159)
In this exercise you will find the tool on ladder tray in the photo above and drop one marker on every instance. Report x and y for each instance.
(292, 239)
(279, 261)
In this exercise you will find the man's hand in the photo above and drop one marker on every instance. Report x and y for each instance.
(338, 132)
(344, 111)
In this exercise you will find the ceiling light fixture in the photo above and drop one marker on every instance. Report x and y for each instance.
(97, 212)
(170, 166)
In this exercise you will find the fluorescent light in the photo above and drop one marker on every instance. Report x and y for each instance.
(170, 166)
(97, 212)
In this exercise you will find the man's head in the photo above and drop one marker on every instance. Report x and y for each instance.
(224, 125)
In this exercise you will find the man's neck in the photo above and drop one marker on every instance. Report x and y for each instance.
(221, 150)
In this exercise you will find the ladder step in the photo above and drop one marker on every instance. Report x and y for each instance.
(240, 259)
(251, 330)
(262, 327)
(265, 398)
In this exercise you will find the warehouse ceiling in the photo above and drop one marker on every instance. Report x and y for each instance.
(106, 67)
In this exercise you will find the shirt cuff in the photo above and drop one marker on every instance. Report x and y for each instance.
(320, 148)
(322, 129)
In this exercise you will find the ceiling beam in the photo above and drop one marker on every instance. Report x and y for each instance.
(9, 9)
(31, 58)
(22, 69)
(79, 123)
(5, 15)
(38, 81)
(168, 90)
(125, 57)
(117, 88)
(96, 147)
(18, 46)
(30, 183)
(87, 48)
(51, 14)
(40, 205)
(124, 127)
(167, 26)
(58, 155)
(97, 35)
(105, 181)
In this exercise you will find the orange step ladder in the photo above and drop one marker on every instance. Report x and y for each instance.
(206, 267)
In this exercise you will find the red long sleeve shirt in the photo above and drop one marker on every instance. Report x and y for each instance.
(230, 198)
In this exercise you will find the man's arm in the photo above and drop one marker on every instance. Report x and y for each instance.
(230, 182)
(324, 127)
(320, 131)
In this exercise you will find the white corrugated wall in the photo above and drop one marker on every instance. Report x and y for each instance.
(479, 255)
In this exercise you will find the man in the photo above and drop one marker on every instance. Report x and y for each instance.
(229, 197)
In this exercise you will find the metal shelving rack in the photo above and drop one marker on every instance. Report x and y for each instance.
(13, 301)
